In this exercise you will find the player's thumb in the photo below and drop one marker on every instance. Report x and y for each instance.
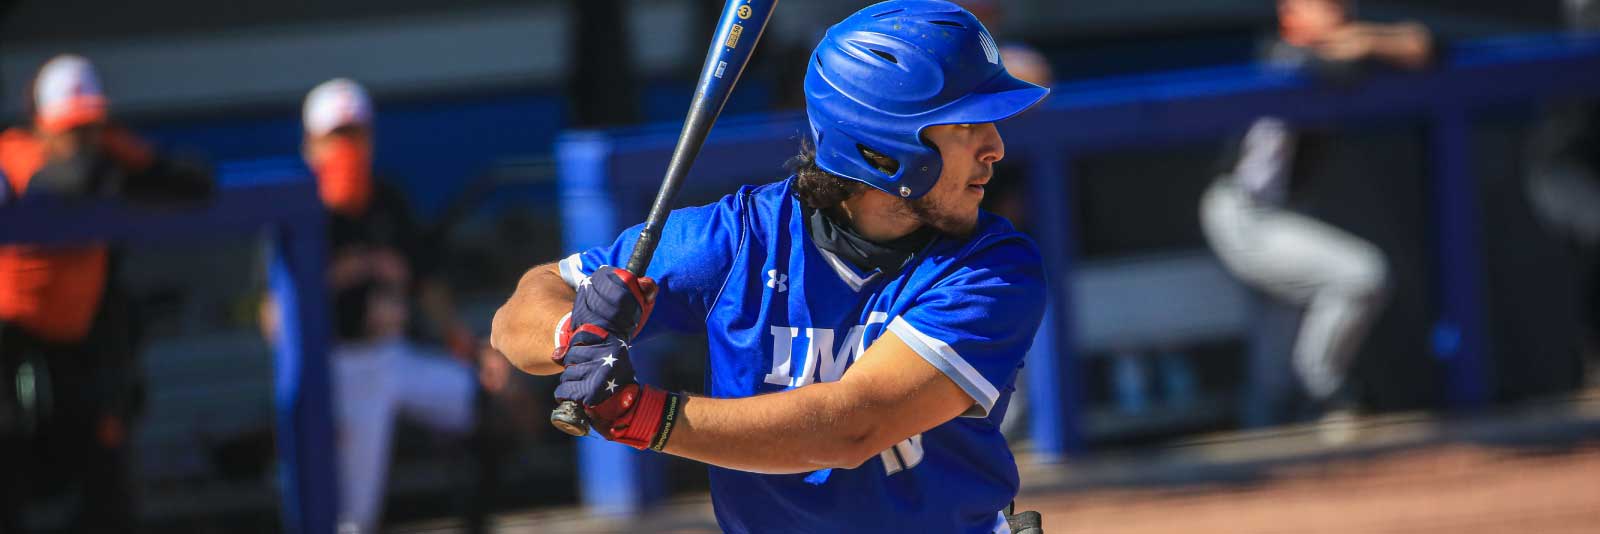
(648, 287)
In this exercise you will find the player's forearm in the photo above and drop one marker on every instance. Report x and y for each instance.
(524, 327)
(814, 427)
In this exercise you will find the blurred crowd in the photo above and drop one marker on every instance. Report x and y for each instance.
(71, 396)
(69, 339)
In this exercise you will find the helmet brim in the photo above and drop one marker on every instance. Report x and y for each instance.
(995, 100)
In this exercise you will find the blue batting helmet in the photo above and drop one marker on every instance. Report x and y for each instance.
(881, 76)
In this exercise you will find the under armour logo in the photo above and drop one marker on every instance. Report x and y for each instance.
(777, 280)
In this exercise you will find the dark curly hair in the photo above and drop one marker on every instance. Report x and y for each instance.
(819, 189)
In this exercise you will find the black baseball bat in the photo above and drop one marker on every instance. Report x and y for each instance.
(740, 27)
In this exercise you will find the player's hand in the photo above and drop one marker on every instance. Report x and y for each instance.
(592, 341)
(596, 368)
(611, 300)
(599, 376)
(592, 347)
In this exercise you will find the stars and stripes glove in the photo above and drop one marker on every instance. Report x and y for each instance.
(599, 375)
(592, 345)
(611, 299)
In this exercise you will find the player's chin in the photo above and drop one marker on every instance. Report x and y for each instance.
(963, 230)
(959, 226)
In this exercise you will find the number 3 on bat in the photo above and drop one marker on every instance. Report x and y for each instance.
(902, 456)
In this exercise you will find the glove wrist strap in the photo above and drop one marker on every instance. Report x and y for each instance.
(669, 418)
(648, 425)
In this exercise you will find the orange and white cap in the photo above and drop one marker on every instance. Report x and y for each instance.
(67, 94)
(335, 103)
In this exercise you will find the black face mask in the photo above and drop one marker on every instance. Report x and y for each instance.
(843, 241)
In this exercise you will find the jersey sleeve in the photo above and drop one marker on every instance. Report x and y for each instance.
(976, 324)
(691, 263)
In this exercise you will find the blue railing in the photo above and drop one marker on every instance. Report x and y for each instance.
(607, 178)
(254, 197)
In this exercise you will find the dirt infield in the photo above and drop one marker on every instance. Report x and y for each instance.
(1454, 490)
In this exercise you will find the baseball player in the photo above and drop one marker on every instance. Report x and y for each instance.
(865, 320)
(1339, 278)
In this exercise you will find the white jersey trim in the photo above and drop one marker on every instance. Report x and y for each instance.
(845, 273)
(947, 361)
(572, 270)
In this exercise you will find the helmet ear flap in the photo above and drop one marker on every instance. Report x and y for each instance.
(897, 168)
(878, 160)
(841, 154)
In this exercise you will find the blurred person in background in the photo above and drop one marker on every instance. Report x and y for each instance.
(1250, 217)
(1563, 182)
(69, 387)
(382, 266)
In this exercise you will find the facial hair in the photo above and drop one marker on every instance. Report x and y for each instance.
(931, 213)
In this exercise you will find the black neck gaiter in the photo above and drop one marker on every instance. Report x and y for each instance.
(843, 241)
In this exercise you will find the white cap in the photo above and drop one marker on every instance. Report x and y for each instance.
(335, 103)
(67, 94)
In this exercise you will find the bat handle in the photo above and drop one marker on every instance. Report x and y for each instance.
(570, 419)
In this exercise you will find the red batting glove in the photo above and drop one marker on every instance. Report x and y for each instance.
(639, 416)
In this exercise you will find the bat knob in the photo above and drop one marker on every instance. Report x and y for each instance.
(569, 418)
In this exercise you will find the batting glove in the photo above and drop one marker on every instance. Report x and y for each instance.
(599, 375)
(592, 345)
(612, 299)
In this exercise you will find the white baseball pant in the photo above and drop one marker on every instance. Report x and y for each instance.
(373, 383)
(1338, 277)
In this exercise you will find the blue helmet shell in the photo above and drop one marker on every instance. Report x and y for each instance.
(881, 76)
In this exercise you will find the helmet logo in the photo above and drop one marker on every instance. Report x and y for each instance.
(905, 191)
(990, 51)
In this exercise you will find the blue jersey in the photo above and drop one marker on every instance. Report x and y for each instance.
(780, 313)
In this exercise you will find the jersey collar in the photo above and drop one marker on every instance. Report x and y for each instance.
(857, 260)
